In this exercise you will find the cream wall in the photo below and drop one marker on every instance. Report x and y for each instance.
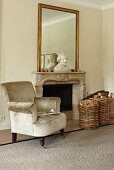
(108, 49)
(3, 108)
(19, 39)
(91, 47)
(19, 43)
(0, 33)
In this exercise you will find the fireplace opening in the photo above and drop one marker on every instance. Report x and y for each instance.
(64, 91)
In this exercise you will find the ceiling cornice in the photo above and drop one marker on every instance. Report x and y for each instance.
(108, 6)
(96, 4)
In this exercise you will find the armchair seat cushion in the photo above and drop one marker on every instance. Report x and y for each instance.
(49, 124)
(48, 118)
(45, 125)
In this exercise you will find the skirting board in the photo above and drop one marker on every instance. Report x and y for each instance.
(4, 126)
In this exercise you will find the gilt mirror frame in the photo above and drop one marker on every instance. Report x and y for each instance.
(39, 41)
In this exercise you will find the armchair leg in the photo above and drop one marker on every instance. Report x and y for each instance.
(42, 141)
(14, 137)
(62, 132)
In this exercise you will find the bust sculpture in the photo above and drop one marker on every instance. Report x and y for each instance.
(61, 66)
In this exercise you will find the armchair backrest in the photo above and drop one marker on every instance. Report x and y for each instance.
(20, 91)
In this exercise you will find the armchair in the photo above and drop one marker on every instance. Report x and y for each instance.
(28, 112)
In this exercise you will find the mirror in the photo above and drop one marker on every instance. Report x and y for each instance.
(58, 32)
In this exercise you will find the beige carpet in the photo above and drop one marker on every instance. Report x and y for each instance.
(79, 150)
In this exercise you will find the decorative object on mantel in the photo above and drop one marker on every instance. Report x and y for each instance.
(49, 62)
(96, 103)
(61, 66)
(80, 71)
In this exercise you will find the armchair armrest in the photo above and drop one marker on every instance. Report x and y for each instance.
(19, 106)
(45, 104)
(24, 107)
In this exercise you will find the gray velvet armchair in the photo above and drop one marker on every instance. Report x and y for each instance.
(28, 113)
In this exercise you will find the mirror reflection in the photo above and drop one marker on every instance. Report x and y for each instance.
(58, 36)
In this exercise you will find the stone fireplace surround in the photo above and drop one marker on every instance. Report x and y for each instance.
(77, 79)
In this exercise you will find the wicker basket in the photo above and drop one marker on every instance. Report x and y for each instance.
(104, 111)
(88, 114)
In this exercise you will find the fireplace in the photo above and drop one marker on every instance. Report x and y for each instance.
(50, 80)
(64, 91)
